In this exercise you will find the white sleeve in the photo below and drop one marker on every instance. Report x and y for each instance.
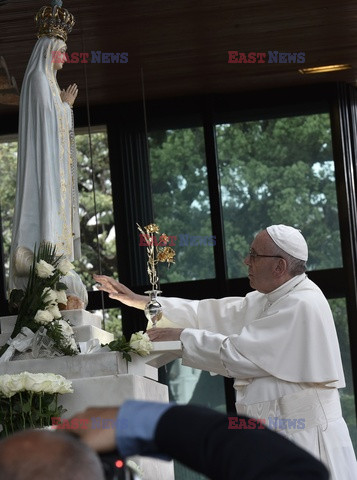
(216, 353)
(223, 315)
(181, 312)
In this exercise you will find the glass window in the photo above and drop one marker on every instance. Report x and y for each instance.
(103, 256)
(181, 201)
(8, 165)
(189, 385)
(111, 320)
(104, 231)
(275, 171)
(338, 307)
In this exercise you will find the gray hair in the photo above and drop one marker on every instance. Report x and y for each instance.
(43, 455)
(295, 265)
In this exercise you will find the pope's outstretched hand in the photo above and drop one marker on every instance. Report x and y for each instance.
(120, 292)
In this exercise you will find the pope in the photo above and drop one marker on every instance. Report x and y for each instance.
(279, 343)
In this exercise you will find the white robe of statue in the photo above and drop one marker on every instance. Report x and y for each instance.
(282, 350)
(46, 205)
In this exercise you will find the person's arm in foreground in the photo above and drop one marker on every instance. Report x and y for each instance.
(200, 438)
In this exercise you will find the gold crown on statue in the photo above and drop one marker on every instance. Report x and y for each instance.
(54, 21)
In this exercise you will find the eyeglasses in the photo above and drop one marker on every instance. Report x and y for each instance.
(254, 255)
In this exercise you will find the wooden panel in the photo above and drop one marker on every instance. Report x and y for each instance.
(182, 45)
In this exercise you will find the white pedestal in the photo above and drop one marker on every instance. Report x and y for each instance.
(86, 326)
(103, 379)
(98, 364)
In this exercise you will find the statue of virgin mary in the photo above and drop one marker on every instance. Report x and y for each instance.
(46, 205)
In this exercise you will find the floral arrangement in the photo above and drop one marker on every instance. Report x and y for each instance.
(38, 305)
(30, 400)
(139, 344)
(157, 250)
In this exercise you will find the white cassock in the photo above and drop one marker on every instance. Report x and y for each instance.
(282, 350)
(46, 205)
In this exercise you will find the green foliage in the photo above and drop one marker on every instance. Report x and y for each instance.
(349, 414)
(338, 307)
(15, 299)
(113, 322)
(181, 201)
(123, 346)
(90, 261)
(271, 171)
(28, 410)
(33, 299)
(8, 161)
(279, 171)
(54, 331)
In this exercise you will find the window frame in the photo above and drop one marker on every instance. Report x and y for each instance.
(126, 130)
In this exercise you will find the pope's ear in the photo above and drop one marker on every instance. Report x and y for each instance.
(281, 267)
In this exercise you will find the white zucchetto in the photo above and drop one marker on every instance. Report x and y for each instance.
(290, 240)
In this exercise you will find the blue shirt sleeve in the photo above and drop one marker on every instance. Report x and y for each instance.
(135, 428)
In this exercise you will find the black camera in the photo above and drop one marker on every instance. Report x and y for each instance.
(115, 468)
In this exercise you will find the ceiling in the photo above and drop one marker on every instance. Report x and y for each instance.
(180, 47)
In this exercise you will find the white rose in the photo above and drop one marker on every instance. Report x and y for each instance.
(54, 311)
(64, 266)
(44, 269)
(4, 392)
(37, 382)
(43, 317)
(61, 296)
(67, 330)
(49, 296)
(11, 384)
(141, 343)
(46, 383)
(63, 385)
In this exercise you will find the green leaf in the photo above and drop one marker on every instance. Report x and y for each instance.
(15, 299)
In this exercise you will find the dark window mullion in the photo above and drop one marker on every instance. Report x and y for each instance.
(343, 130)
(216, 206)
(132, 203)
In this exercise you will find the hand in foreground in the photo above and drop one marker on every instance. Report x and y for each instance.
(69, 96)
(96, 427)
(164, 334)
(120, 292)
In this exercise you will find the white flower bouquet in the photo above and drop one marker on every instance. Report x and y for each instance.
(30, 400)
(38, 306)
(139, 344)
